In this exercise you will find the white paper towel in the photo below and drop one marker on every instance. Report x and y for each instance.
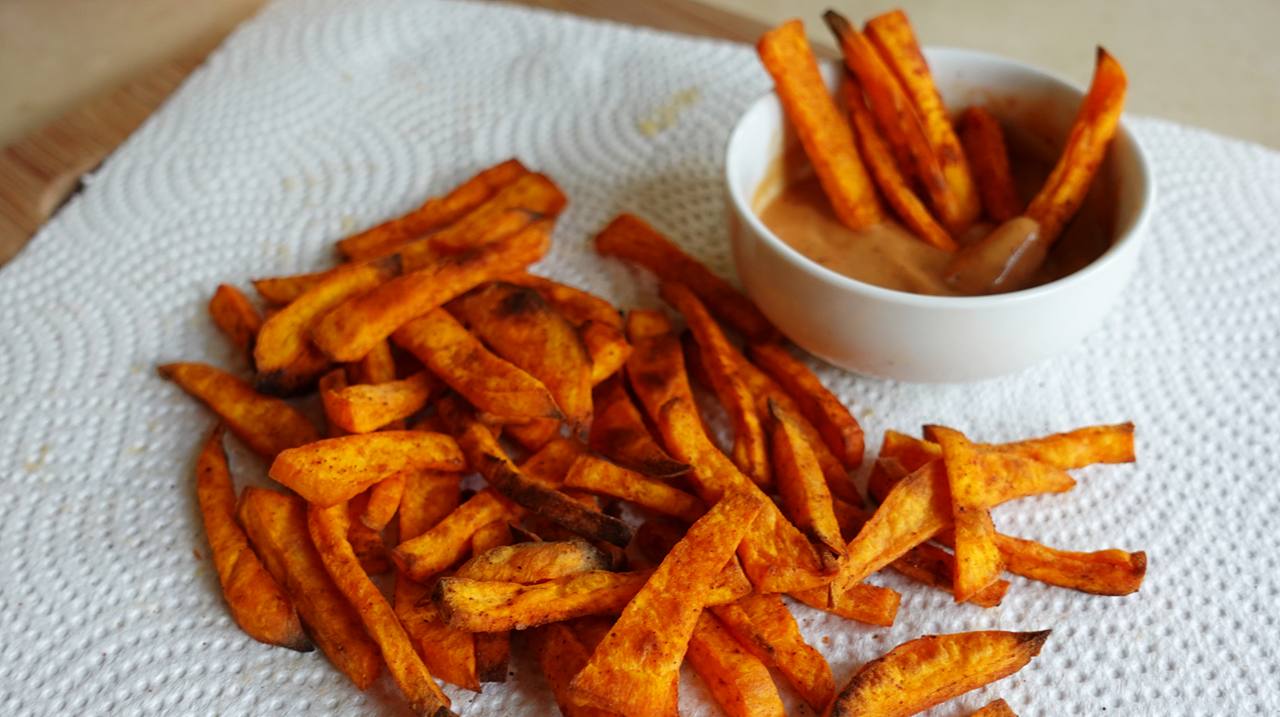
(318, 118)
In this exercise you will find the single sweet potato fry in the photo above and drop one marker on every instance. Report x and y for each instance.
(367, 407)
(443, 545)
(576, 305)
(281, 290)
(527, 563)
(552, 462)
(435, 213)
(532, 193)
(893, 185)
(655, 369)
(277, 525)
(1095, 126)
(822, 130)
(893, 37)
(765, 626)
(995, 708)
(978, 562)
(257, 602)
(635, 668)
(349, 331)
(328, 386)
(984, 146)
(802, 486)
(597, 475)
(750, 452)
(531, 435)
(521, 327)
(384, 501)
(328, 528)
(235, 316)
(1104, 572)
(930, 670)
(618, 431)
(737, 679)
(491, 384)
(835, 423)
(366, 543)
(335, 470)
(933, 566)
(1078, 448)
(561, 655)
(861, 602)
(631, 239)
(493, 649)
(377, 366)
(267, 425)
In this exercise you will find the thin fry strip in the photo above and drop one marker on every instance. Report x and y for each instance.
(978, 561)
(328, 528)
(334, 470)
(803, 488)
(531, 192)
(1102, 572)
(366, 543)
(1077, 448)
(1095, 126)
(493, 649)
(738, 680)
(983, 140)
(267, 425)
(934, 566)
(384, 501)
(600, 476)
(235, 316)
(281, 290)
(377, 366)
(618, 431)
(438, 548)
(367, 407)
(764, 624)
(822, 130)
(632, 239)
(655, 369)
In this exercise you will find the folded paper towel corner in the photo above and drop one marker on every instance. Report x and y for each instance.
(318, 118)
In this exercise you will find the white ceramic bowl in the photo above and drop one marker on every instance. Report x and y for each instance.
(911, 337)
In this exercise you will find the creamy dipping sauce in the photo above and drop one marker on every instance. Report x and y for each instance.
(791, 203)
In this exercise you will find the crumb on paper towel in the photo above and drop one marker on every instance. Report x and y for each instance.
(667, 114)
(42, 456)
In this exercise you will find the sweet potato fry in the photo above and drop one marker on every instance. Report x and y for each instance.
(750, 452)
(527, 563)
(862, 602)
(267, 425)
(551, 463)
(257, 602)
(349, 331)
(822, 130)
(635, 668)
(277, 525)
(505, 223)
(335, 470)
(521, 327)
(377, 366)
(1078, 448)
(893, 37)
(235, 316)
(935, 567)
(738, 680)
(1095, 125)
(281, 290)
(655, 369)
(328, 528)
(607, 347)
(576, 305)
(803, 488)
(435, 213)
(493, 649)
(1104, 572)
(489, 383)
(978, 561)
(367, 407)
(532, 435)
(984, 146)
(775, 554)
(765, 626)
(448, 541)
(893, 185)
(561, 655)
(600, 476)
(631, 239)
(618, 431)
(930, 670)
(384, 501)
(837, 426)
(995, 708)
(328, 386)
(531, 192)
(366, 543)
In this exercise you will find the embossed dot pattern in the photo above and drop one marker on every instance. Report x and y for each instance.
(318, 118)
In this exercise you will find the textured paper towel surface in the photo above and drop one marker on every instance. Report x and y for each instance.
(319, 118)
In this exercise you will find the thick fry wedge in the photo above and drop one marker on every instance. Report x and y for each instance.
(618, 431)
(978, 562)
(284, 338)
(258, 604)
(328, 528)
(489, 383)
(349, 331)
(600, 476)
(738, 680)
(995, 708)
(862, 602)
(532, 193)
(822, 130)
(235, 316)
(630, 238)
(366, 543)
(1078, 448)
(521, 327)
(281, 290)
(893, 185)
(328, 386)
(930, 670)
(277, 525)
(435, 213)
(561, 655)
(335, 470)
(765, 626)
(527, 563)
(750, 452)
(377, 366)
(367, 407)
(384, 501)
(837, 426)
(893, 37)
(984, 146)
(635, 668)
(443, 545)
(267, 425)
(1095, 126)
(802, 486)
(576, 305)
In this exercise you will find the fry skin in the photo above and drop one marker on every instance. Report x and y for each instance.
(738, 680)
(328, 528)
(1094, 128)
(1077, 448)
(600, 476)
(267, 425)
(257, 603)
(765, 626)
(527, 563)
(335, 470)
(978, 561)
(618, 432)
(277, 525)
(367, 407)
(439, 547)
(235, 316)
(930, 670)
(281, 290)
(822, 130)
(984, 146)
(802, 486)
(632, 239)
(635, 668)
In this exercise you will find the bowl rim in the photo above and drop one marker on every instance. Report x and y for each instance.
(1121, 245)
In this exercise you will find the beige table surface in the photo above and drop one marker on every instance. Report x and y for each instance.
(1213, 65)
